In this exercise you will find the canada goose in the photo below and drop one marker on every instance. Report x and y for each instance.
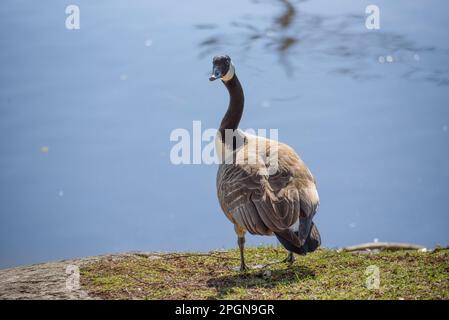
(283, 203)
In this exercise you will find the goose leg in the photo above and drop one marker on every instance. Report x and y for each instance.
(241, 243)
(290, 258)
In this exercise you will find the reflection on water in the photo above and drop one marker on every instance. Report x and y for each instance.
(293, 33)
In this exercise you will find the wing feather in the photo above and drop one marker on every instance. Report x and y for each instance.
(263, 204)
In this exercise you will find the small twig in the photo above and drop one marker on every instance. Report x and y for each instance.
(383, 246)
(176, 256)
(272, 263)
(148, 284)
(153, 267)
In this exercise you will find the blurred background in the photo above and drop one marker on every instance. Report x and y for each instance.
(86, 115)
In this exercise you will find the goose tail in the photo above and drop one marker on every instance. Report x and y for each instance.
(291, 240)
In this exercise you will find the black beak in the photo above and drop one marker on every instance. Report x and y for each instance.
(216, 74)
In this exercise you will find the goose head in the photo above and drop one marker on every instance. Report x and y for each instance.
(222, 68)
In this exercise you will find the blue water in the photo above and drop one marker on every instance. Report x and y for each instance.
(86, 115)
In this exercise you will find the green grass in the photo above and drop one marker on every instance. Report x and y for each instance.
(324, 274)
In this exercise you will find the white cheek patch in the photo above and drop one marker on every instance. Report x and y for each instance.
(230, 74)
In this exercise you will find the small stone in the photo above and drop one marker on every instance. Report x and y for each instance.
(266, 274)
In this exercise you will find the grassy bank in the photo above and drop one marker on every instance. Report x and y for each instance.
(325, 274)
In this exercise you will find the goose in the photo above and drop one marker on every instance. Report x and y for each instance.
(257, 201)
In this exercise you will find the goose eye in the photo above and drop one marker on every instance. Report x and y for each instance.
(217, 73)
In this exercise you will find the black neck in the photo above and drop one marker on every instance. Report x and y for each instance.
(232, 117)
